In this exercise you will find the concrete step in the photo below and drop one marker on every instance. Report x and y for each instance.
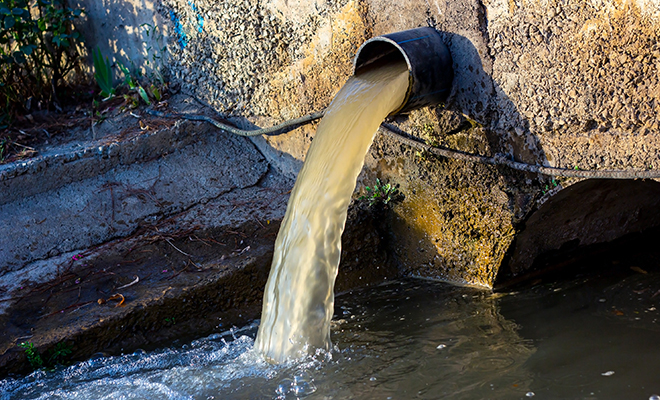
(79, 195)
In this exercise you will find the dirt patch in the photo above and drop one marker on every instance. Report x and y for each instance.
(81, 119)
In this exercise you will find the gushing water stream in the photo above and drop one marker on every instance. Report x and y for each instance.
(299, 295)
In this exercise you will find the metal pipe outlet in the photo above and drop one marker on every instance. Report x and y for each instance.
(428, 59)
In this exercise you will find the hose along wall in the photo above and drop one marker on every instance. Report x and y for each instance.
(399, 135)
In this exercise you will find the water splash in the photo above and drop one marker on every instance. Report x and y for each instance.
(207, 366)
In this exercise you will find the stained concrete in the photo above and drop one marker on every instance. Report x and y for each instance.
(111, 194)
(571, 85)
(558, 84)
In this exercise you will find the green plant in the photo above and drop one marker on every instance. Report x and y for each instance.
(37, 50)
(129, 80)
(141, 87)
(133, 83)
(57, 355)
(34, 358)
(101, 116)
(553, 184)
(143, 94)
(3, 149)
(154, 55)
(155, 92)
(103, 74)
(130, 101)
(428, 131)
(381, 194)
(134, 78)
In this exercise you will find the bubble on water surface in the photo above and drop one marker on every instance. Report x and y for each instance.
(301, 385)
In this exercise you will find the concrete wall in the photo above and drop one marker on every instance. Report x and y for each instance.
(75, 199)
(131, 32)
(559, 83)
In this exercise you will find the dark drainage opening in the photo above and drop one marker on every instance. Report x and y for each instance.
(635, 253)
(594, 226)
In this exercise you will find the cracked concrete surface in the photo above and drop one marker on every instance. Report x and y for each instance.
(122, 197)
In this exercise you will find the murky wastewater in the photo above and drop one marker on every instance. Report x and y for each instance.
(593, 338)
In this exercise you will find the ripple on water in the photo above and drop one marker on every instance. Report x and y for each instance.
(495, 348)
(197, 371)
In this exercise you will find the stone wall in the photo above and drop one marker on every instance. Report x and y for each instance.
(583, 77)
(559, 83)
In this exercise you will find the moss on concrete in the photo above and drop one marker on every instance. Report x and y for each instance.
(455, 222)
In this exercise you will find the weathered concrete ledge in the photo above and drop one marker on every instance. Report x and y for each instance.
(76, 198)
(181, 224)
(191, 283)
(80, 219)
(73, 162)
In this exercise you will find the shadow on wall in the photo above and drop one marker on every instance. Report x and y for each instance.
(457, 220)
(580, 215)
(477, 95)
(130, 32)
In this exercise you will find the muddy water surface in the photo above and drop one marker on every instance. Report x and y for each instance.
(592, 338)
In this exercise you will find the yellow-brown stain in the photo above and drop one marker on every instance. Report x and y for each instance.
(309, 84)
(462, 239)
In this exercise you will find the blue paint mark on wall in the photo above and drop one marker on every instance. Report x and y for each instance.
(200, 19)
(178, 28)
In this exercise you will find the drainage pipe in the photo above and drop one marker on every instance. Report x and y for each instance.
(428, 59)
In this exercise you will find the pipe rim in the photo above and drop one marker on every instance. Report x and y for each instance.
(411, 82)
